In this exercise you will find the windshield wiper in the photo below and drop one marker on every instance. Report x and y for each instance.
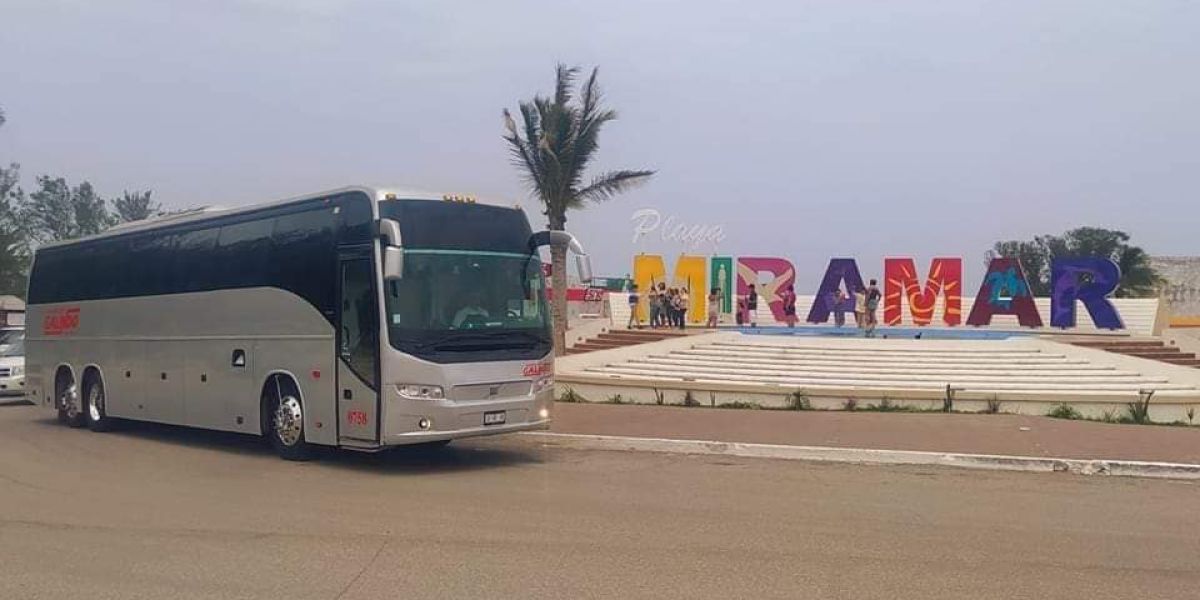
(465, 342)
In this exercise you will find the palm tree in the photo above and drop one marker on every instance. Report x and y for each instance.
(553, 148)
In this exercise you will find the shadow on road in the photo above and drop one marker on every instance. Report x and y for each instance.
(462, 455)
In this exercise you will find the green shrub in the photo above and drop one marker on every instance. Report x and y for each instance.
(570, 396)
(993, 405)
(851, 404)
(1064, 411)
(1138, 411)
(740, 404)
(798, 400)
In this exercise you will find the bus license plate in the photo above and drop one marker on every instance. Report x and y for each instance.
(495, 417)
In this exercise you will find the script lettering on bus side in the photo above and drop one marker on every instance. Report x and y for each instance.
(60, 321)
(537, 369)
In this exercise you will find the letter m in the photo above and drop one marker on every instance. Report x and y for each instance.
(690, 272)
(900, 283)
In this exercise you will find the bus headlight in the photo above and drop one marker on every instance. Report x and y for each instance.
(420, 391)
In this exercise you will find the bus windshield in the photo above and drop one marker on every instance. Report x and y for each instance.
(454, 305)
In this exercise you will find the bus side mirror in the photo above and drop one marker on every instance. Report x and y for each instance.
(393, 263)
(583, 264)
(389, 230)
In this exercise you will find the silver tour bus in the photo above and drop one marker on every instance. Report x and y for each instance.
(359, 318)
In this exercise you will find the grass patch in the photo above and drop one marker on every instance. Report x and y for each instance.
(570, 396)
(993, 405)
(1065, 411)
(886, 404)
(798, 400)
(740, 404)
(1139, 410)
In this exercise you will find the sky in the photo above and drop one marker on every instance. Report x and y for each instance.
(804, 129)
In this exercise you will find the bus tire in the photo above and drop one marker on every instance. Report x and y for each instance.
(70, 409)
(94, 405)
(284, 419)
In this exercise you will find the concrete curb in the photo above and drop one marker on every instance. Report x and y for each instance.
(1122, 468)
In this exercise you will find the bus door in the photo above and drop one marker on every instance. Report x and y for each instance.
(358, 347)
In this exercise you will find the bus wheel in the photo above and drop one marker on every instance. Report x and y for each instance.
(69, 409)
(97, 418)
(286, 420)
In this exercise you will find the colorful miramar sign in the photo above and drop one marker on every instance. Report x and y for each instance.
(1004, 291)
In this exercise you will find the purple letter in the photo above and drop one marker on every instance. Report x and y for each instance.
(1066, 287)
(839, 270)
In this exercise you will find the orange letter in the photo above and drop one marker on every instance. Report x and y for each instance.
(900, 281)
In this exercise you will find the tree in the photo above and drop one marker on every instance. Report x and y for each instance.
(135, 206)
(1138, 278)
(557, 141)
(56, 211)
(14, 247)
(1033, 258)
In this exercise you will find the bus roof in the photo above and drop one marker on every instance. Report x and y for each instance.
(376, 193)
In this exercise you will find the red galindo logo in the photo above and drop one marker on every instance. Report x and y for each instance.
(60, 321)
(537, 369)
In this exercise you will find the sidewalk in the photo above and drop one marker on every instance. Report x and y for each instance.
(927, 432)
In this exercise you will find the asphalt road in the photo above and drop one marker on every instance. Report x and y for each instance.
(158, 512)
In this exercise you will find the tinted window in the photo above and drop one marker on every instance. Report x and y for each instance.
(223, 252)
(301, 251)
(357, 219)
(459, 226)
(195, 270)
(242, 253)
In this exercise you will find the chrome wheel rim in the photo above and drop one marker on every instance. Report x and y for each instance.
(70, 401)
(95, 403)
(289, 420)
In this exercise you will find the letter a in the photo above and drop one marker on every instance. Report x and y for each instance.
(1004, 291)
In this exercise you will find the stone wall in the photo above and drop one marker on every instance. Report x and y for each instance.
(1182, 292)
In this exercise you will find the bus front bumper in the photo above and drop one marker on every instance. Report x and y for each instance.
(418, 437)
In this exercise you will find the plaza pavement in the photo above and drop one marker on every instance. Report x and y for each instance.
(1000, 434)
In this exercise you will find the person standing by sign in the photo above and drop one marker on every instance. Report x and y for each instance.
(839, 314)
(664, 306)
(652, 302)
(634, 323)
(860, 308)
(714, 307)
(752, 306)
(873, 297)
(684, 304)
(789, 306)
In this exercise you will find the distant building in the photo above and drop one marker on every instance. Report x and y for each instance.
(12, 312)
(1182, 291)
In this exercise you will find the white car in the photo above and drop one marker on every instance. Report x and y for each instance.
(12, 367)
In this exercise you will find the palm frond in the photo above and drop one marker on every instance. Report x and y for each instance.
(564, 76)
(607, 185)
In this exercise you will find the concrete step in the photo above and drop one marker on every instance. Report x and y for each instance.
(1164, 355)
